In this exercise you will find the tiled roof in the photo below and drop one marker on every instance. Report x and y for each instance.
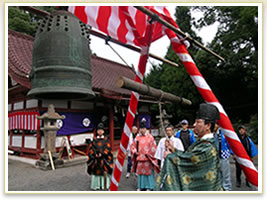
(105, 73)
(20, 57)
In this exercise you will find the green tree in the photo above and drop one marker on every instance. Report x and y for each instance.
(23, 21)
(19, 20)
(234, 82)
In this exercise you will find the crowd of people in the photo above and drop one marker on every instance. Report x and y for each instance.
(189, 160)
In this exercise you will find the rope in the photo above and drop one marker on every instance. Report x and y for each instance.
(160, 113)
(107, 43)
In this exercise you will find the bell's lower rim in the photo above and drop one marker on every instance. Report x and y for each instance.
(61, 93)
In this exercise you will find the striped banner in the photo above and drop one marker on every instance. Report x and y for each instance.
(241, 155)
(23, 121)
(123, 23)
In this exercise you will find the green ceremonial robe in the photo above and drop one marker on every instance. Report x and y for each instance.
(197, 169)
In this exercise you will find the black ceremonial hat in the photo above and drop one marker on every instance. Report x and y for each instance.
(143, 123)
(100, 126)
(208, 112)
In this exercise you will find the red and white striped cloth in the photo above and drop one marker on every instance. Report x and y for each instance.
(124, 23)
(23, 121)
(129, 25)
(206, 92)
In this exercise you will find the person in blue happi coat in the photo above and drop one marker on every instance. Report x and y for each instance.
(224, 153)
(251, 150)
(185, 135)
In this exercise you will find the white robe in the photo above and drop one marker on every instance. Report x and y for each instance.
(177, 143)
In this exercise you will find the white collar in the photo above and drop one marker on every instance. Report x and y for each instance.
(100, 137)
(207, 136)
(171, 138)
(146, 133)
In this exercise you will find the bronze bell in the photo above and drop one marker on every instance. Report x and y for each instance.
(61, 59)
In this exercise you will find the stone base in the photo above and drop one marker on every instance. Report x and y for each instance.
(44, 162)
(45, 156)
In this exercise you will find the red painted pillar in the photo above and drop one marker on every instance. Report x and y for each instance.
(111, 126)
(11, 136)
(94, 132)
(23, 142)
(38, 144)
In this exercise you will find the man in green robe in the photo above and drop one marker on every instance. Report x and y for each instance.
(196, 169)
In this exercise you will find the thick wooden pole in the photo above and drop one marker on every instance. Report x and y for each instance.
(127, 83)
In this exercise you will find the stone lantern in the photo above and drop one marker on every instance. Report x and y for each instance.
(50, 131)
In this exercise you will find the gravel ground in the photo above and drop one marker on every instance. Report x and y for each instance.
(25, 177)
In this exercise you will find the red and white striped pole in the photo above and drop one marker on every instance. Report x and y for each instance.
(241, 155)
(115, 179)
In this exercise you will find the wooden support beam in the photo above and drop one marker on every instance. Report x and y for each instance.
(130, 84)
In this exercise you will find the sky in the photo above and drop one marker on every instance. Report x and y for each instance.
(158, 47)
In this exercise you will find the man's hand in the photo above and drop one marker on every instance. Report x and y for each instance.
(167, 143)
(169, 146)
(166, 153)
(98, 155)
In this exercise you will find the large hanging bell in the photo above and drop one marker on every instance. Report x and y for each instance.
(61, 67)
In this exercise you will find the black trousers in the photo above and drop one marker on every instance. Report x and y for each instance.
(238, 172)
(129, 165)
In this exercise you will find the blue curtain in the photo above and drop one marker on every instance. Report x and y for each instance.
(75, 123)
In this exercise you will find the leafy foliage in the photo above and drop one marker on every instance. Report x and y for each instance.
(23, 21)
(20, 21)
(235, 82)
(253, 128)
(236, 41)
